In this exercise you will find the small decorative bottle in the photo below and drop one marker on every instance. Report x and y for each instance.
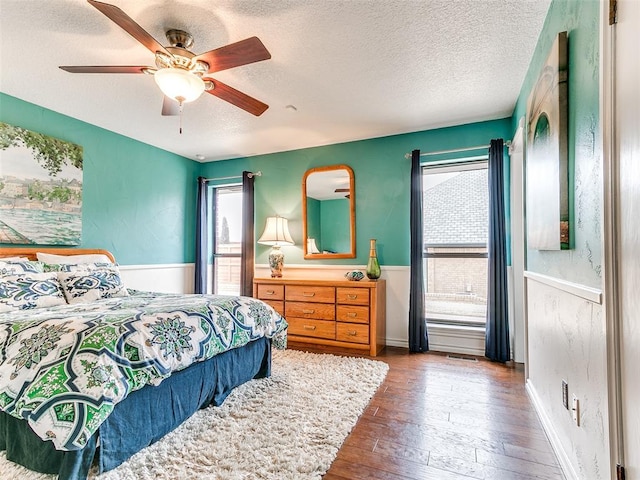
(373, 267)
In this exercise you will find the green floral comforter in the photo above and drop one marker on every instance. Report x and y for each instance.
(64, 368)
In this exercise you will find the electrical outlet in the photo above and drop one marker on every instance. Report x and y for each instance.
(575, 410)
(565, 394)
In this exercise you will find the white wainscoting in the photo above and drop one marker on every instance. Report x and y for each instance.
(567, 342)
(166, 278)
(178, 278)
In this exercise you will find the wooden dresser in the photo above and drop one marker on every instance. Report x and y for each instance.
(337, 313)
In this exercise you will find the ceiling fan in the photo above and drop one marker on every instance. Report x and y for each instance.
(182, 75)
(343, 190)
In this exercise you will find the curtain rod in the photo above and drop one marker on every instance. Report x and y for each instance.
(250, 175)
(455, 150)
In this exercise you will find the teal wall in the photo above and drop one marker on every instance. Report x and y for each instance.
(314, 222)
(138, 200)
(335, 223)
(580, 18)
(382, 178)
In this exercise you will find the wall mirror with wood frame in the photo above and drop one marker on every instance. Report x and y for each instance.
(329, 212)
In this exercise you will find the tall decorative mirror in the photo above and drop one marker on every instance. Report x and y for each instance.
(329, 212)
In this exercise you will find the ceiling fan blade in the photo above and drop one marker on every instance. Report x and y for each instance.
(170, 107)
(237, 98)
(243, 52)
(125, 22)
(105, 69)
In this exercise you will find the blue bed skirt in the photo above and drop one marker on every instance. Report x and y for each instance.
(142, 418)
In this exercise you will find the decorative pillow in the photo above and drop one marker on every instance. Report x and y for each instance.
(30, 290)
(76, 267)
(25, 266)
(14, 259)
(89, 286)
(66, 259)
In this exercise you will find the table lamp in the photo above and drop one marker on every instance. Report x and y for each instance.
(276, 234)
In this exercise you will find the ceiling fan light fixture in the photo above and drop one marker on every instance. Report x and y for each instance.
(179, 84)
(163, 60)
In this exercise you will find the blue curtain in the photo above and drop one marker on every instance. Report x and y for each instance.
(497, 332)
(202, 256)
(248, 235)
(418, 339)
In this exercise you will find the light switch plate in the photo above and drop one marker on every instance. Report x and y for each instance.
(575, 410)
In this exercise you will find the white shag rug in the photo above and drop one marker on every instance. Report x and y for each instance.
(286, 427)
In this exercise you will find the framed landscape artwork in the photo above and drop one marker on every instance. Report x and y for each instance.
(547, 159)
(40, 188)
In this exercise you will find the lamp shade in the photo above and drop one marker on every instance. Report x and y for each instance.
(179, 84)
(311, 246)
(276, 232)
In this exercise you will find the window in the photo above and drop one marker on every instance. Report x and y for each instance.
(227, 239)
(456, 224)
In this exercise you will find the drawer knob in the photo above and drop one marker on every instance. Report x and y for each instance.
(309, 312)
(352, 314)
(352, 333)
(352, 296)
(309, 327)
(270, 292)
(308, 294)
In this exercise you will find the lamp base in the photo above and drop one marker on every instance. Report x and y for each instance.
(276, 261)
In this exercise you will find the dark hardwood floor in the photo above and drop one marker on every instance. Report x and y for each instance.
(436, 418)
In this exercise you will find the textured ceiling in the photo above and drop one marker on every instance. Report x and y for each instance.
(353, 69)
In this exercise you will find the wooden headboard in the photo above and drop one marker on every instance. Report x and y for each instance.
(30, 252)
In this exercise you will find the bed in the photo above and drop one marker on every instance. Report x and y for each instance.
(96, 378)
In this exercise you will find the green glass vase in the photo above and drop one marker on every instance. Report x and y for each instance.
(373, 267)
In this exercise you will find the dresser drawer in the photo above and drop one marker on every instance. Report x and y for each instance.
(352, 332)
(277, 305)
(311, 328)
(353, 296)
(300, 293)
(320, 311)
(270, 292)
(352, 313)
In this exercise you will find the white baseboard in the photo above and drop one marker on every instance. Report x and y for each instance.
(552, 435)
(397, 342)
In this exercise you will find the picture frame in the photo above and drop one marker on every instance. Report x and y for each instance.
(547, 162)
(40, 188)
